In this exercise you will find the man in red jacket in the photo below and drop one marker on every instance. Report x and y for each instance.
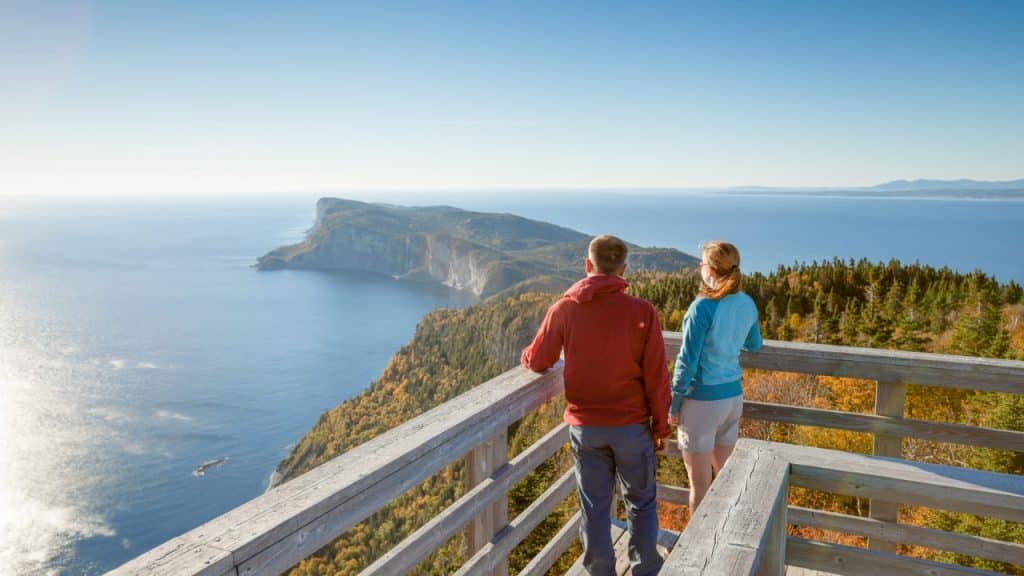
(617, 388)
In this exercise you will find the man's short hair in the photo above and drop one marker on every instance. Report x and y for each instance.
(608, 253)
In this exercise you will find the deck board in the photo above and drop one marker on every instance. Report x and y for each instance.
(577, 567)
(797, 571)
(620, 542)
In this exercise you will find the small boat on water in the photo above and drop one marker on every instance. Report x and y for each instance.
(202, 468)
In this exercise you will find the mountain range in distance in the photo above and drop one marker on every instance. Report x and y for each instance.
(919, 188)
(962, 184)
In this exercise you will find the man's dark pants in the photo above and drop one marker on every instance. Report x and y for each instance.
(604, 454)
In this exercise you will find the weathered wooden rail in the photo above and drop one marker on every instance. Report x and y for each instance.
(742, 529)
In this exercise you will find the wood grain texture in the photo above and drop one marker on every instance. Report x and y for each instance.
(421, 543)
(906, 534)
(918, 483)
(481, 462)
(728, 532)
(773, 559)
(890, 398)
(498, 549)
(850, 561)
(577, 568)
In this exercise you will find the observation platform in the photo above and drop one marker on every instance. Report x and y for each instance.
(741, 527)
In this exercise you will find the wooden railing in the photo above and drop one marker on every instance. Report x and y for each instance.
(744, 532)
(273, 532)
(740, 527)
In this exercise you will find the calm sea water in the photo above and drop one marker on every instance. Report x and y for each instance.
(136, 342)
(781, 229)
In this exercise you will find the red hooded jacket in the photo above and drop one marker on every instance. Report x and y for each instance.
(615, 367)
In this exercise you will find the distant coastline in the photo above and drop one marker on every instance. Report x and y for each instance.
(896, 190)
(1008, 190)
(1003, 195)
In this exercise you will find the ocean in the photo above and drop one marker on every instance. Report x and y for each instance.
(137, 342)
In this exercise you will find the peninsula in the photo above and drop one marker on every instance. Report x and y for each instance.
(485, 253)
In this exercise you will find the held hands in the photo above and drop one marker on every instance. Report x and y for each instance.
(673, 419)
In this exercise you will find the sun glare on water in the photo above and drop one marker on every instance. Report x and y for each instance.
(45, 477)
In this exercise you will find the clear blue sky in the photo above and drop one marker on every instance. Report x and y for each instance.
(128, 97)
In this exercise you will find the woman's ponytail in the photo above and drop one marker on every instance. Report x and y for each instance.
(724, 259)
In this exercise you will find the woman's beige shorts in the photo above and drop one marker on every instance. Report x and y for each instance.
(705, 423)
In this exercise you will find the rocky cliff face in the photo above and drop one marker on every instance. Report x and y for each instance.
(438, 257)
(454, 262)
(483, 253)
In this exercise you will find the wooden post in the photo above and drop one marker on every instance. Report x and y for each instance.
(736, 532)
(499, 452)
(773, 561)
(481, 462)
(889, 400)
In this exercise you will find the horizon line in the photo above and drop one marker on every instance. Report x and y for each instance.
(543, 188)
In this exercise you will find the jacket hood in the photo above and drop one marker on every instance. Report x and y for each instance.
(585, 289)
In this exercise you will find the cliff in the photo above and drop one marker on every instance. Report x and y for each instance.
(487, 254)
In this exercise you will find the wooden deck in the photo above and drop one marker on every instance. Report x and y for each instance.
(620, 539)
(741, 528)
(797, 571)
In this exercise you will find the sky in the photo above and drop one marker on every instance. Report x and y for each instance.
(142, 98)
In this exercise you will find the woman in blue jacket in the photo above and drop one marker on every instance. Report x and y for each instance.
(707, 392)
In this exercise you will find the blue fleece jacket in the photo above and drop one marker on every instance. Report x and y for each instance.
(714, 332)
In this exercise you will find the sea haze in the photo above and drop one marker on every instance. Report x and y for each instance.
(136, 341)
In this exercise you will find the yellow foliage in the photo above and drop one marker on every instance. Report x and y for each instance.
(795, 323)
(675, 320)
(846, 394)
(1014, 321)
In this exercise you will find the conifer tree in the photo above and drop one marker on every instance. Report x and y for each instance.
(1013, 293)
(817, 329)
(873, 321)
(1000, 347)
(772, 318)
(978, 330)
(794, 306)
(893, 302)
(910, 324)
(849, 322)
(833, 311)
